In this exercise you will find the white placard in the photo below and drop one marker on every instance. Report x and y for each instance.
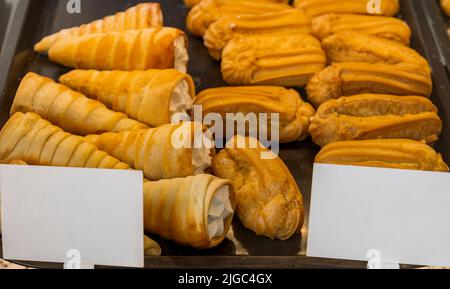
(403, 215)
(52, 214)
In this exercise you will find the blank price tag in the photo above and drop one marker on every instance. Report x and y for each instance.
(69, 215)
(360, 213)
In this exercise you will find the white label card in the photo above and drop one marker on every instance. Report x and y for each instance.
(66, 215)
(402, 215)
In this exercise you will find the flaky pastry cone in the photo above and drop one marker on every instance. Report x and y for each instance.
(151, 96)
(30, 138)
(70, 110)
(209, 11)
(281, 60)
(385, 153)
(376, 116)
(194, 211)
(142, 16)
(445, 4)
(319, 7)
(269, 201)
(191, 3)
(351, 46)
(347, 78)
(219, 33)
(165, 152)
(389, 28)
(294, 113)
(159, 48)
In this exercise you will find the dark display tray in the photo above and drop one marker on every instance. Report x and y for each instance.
(37, 18)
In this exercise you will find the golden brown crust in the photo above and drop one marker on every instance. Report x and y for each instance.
(389, 28)
(191, 3)
(142, 95)
(350, 46)
(319, 7)
(177, 209)
(391, 153)
(445, 4)
(219, 33)
(29, 138)
(128, 50)
(151, 248)
(209, 11)
(72, 111)
(269, 201)
(294, 113)
(376, 116)
(152, 150)
(142, 16)
(346, 79)
(281, 60)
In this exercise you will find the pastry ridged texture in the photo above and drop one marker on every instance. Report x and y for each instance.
(70, 110)
(269, 201)
(219, 33)
(142, 16)
(385, 153)
(294, 114)
(389, 28)
(191, 3)
(281, 60)
(177, 209)
(351, 46)
(128, 50)
(142, 95)
(30, 138)
(346, 79)
(445, 4)
(376, 116)
(319, 7)
(154, 151)
(209, 11)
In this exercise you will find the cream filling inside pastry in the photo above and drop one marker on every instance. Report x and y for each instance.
(180, 101)
(219, 211)
(181, 54)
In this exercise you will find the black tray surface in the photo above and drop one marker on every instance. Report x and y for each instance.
(245, 249)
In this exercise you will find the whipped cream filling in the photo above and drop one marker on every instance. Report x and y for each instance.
(181, 54)
(180, 102)
(219, 211)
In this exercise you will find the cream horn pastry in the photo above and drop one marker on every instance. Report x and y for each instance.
(389, 28)
(191, 3)
(195, 211)
(142, 16)
(219, 33)
(385, 153)
(350, 46)
(319, 7)
(269, 201)
(152, 97)
(346, 79)
(376, 116)
(209, 11)
(30, 138)
(166, 152)
(294, 113)
(70, 110)
(152, 48)
(281, 60)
